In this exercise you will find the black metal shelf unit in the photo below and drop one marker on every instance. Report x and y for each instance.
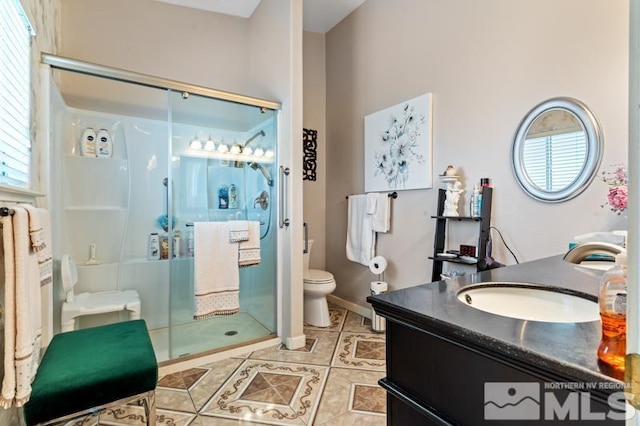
(441, 229)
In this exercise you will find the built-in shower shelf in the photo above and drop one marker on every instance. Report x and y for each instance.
(96, 208)
(142, 260)
(80, 158)
(103, 264)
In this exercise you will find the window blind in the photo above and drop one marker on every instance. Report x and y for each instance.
(553, 162)
(15, 72)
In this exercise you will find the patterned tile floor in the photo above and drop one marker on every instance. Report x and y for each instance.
(331, 381)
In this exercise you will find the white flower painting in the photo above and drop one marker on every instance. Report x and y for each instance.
(398, 146)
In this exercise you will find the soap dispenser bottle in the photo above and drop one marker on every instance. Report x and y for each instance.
(613, 312)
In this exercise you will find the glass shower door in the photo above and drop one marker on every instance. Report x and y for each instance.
(222, 157)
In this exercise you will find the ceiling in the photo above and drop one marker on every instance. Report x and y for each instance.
(319, 15)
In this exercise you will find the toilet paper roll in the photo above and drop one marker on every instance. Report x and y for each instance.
(378, 287)
(377, 265)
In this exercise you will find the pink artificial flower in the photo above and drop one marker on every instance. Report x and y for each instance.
(617, 198)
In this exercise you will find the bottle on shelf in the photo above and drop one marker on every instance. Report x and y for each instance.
(223, 196)
(177, 243)
(104, 145)
(88, 142)
(613, 312)
(153, 252)
(164, 246)
(189, 250)
(233, 196)
(475, 207)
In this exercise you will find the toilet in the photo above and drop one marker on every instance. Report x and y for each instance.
(316, 285)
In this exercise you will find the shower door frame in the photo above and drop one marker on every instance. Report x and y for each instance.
(126, 76)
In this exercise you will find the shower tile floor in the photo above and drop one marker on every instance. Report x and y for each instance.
(333, 380)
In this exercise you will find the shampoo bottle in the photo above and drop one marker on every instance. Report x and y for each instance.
(474, 209)
(613, 312)
(104, 145)
(223, 196)
(153, 252)
(189, 250)
(88, 142)
(233, 196)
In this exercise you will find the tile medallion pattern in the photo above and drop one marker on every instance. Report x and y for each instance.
(270, 392)
(332, 380)
(360, 350)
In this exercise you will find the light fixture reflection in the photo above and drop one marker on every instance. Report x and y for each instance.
(209, 146)
(247, 150)
(269, 153)
(195, 144)
(223, 148)
(259, 152)
(235, 149)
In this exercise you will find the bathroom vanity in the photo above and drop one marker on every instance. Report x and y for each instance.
(450, 363)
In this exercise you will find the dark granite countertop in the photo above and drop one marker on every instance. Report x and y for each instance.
(564, 350)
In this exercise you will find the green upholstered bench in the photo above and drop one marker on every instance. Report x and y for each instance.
(87, 370)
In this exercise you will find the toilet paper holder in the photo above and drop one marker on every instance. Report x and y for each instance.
(378, 265)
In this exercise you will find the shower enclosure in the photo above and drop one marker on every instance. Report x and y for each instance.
(180, 154)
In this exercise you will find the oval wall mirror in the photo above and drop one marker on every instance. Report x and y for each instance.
(557, 150)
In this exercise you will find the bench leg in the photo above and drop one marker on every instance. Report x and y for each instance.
(149, 403)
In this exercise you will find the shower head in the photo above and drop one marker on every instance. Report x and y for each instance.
(265, 173)
(260, 133)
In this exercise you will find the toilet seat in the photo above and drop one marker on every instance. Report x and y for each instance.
(317, 276)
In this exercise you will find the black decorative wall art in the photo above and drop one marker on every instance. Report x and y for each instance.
(310, 146)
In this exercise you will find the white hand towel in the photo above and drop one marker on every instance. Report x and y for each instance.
(238, 230)
(361, 239)
(381, 215)
(40, 222)
(22, 329)
(249, 251)
(216, 274)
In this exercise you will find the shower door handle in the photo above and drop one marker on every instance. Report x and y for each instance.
(284, 196)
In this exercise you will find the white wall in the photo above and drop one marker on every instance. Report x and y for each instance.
(487, 64)
(315, 119)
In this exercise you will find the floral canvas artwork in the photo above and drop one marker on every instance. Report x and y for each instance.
(398, 146)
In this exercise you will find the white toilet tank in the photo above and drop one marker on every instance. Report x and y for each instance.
(305, 257)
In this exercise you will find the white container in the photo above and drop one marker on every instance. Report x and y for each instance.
(177, 244)
(88, 142)
(153, 252)
(104, 144)
(189, 250)
(378, 323)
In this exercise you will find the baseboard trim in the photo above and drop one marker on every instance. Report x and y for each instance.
(360, 310)
(296, 342)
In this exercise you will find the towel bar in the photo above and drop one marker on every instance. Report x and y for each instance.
(393, 195)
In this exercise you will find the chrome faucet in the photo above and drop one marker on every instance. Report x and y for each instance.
(580, 252)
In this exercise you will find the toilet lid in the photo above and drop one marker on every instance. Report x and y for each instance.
(317, 276)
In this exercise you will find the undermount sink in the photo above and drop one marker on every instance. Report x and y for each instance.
(529, 302)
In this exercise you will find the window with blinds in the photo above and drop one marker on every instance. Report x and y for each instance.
(553, 162)
(15, 115)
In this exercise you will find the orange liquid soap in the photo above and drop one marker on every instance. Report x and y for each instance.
(613, 312)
